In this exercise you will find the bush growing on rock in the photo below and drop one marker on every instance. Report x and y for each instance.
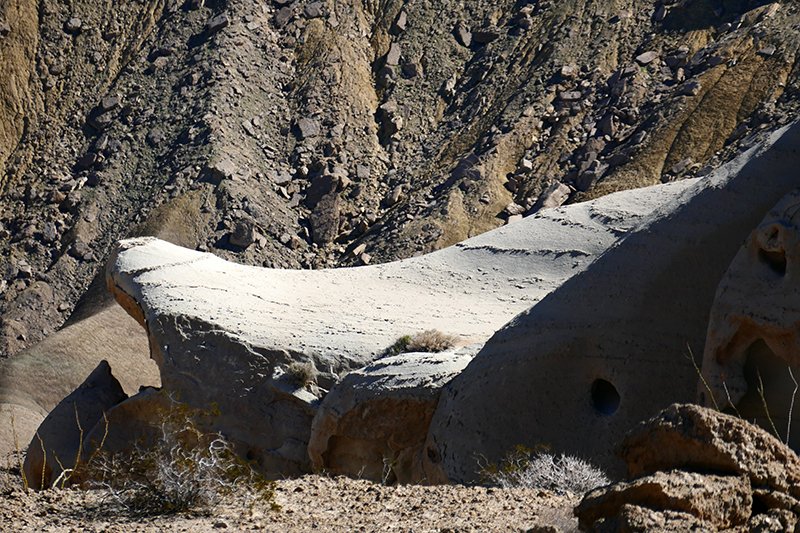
(304, 374)
(430, 340)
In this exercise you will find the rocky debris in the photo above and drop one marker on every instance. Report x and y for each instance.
(57, 442)
(308, 127)
(751, 333)
(374, 422)
(694, 467)
(463, 35)
(509, 368)
(325, 219)
(393, 56)
(218, 23)
(553, 196)
(73, 25)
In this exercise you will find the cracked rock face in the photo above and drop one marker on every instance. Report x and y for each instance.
(753, 337)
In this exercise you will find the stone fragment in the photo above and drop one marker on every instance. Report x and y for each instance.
(513, 209)
(81, 250)
(87, 160)
(283, 16)
(554, 196)
(660, 13)
(767, 51)
(244, 234)
(363, 172)
(377, 417)
(692, 88)
(569, 72)
(394, 196)
(60, 433)
(321, 186)
(463, 35)
(393, 56)
(570, 96)
(221, 170)
(155, 136)
(73, 25)
(722, 501)
(680, 166)
(647, 57)
(217, 23)
(325, 219)
(108, 103)
(401, 22)
(5, 28)
(313, 10)
(309, 127)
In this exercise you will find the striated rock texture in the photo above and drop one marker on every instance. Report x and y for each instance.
(608, 347)
(753, 340)
(696, 469)
(373, 424)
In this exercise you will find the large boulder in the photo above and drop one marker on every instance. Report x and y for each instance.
(224, 334)
(695, 469)
(57, 443)
(753, 339)
(609, 347)
(374, 423)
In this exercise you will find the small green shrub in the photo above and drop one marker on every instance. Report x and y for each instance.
(430, 340)
(185, 469)
(541, 470)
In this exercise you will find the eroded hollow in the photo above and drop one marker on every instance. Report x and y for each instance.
(605, 397)
(778, 388)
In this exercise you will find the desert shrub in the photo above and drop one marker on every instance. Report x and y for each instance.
(430, 340)
(304, 374)
(541, 470)
(185, 469)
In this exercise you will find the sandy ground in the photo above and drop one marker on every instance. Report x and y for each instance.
(310, 503)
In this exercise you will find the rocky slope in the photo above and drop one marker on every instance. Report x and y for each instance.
(309, 134)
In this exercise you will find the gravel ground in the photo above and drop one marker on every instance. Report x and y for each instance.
(310, 503)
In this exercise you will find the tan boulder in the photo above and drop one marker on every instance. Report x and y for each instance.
(721, 501)
(692, 437)
(373, 424)
(753, 338)
(57, 443)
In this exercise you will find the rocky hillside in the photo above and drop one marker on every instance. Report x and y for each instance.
(315, 133)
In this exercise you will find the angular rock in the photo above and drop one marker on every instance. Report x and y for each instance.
(401, 22)
(62, 430)
(692, 437)
(325, 219)
(218, 23)
(244, 234)
(692, 88)
(463, 35)
(624, 363)
(722, 501)
(283, 16)
(308, 127)
(73, 25)
(393, 56)
(374, 422)
(320, 187)
(313, 10)
(647, 57)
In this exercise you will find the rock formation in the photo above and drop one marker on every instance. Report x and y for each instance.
(224, 333)
(753, 340)
(608, 347)
(695, 469)
(373, 424)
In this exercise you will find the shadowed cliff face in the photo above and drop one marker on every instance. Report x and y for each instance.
(320, 133)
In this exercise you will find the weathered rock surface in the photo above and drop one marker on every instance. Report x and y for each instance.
(223, 333)
(608, 347)
(373, 424)
(689, 437)
(753, 339)
(700, 470)
(57, 442)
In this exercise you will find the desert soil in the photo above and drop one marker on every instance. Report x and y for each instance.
(310, 503)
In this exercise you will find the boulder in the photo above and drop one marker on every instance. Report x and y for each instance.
(753, 339)
(699, 439)
(57, 442)
(721, 501)
(225, 333)
(697, 469)
(608, 347)
(374, 422)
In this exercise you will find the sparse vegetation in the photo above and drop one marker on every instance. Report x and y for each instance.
(185, 469)
(304, 374)
(541, 470)
(430, 340)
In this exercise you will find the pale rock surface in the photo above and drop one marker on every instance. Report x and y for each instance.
(753, 333)
(57, 442)
(373, 424)
(608, 348)
(223, 333)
